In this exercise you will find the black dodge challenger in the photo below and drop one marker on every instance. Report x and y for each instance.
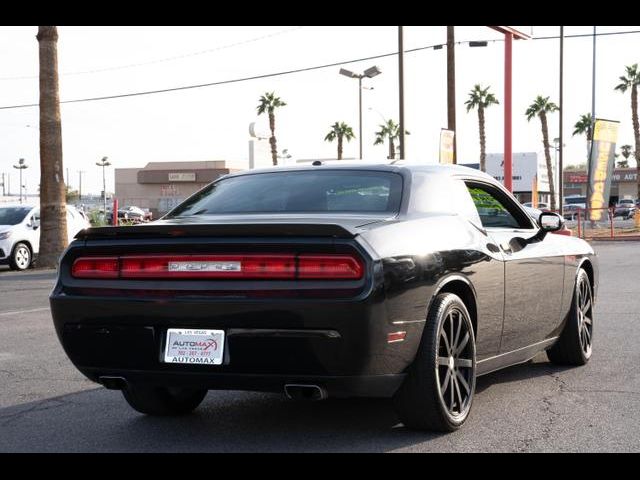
(397, 280)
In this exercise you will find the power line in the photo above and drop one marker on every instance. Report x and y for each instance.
(167, 59)
(289, 72)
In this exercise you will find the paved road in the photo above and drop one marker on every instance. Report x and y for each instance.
(45, 405)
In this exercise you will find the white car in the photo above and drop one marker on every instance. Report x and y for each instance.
(20, 233)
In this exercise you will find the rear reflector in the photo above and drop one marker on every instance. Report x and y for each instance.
(95, 267)
(240, 266)
(329, 267)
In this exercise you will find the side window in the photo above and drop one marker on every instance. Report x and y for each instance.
(495, 209)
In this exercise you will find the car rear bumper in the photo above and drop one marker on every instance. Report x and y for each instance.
(339, 345)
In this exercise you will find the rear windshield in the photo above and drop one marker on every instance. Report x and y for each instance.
(302, 191)
(13, 215)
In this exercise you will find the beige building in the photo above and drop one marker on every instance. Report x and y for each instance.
(624, 183)
(160, 186)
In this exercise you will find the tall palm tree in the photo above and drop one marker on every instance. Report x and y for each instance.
(631, 81)
(268, 103)
(540, 108)
(53, 207)
(584, 126)
(481, 99)
(389, 130)
(340, 131)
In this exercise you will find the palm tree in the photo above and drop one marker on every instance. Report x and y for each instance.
(541, 107)
(584, 126)
(268, 103)
(631, 81)
(480, 98)
(53, 208)
(340, 131)
(389, 130)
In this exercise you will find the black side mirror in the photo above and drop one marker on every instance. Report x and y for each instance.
(548, 222)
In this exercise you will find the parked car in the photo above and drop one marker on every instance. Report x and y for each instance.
(20, 233)
(141, 213)
(541, 205)
(625, 208)
(570, 211)
(389, 280)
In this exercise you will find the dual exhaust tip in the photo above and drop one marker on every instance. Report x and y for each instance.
(293, 391)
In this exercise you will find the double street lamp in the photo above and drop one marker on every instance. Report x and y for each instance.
(21, 166)
(368, 73)
(104, 163)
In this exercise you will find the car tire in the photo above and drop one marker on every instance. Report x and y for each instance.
(574, 346)
(21, 257)
(163, 401)
(438, 391)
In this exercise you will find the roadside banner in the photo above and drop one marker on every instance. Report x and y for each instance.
(446, 145)
(534, 192)
(601, 163)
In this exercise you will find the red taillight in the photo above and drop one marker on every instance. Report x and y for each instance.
(327, 267)
(95, 267)
(240, 266)
(208, 266)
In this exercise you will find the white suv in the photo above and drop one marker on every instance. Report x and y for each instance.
(20, 233)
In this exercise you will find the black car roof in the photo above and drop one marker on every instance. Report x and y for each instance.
(395, 166)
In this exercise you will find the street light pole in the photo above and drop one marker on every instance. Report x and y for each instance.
(401, 91)
(360, 113)
(21, 166)
(368, 73)
(80, 172)
(104, 163)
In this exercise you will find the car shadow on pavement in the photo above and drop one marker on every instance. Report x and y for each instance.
(99, 420)
(536, 367)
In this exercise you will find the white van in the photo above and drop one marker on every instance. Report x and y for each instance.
(20, 233)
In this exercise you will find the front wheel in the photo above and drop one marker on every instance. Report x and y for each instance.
(21, 257)
(574, 347)
(163, 401)
(439, 388)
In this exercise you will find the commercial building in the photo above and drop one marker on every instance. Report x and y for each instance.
(526, 167)
(624, 183)
(160, 186)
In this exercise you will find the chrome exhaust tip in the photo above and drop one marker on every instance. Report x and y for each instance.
(296, 391)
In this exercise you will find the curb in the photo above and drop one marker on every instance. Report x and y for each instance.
(629, 238)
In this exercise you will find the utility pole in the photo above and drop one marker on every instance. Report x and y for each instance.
(451, 88)
(80, 172)
(3, 190)
(561, 165)
(401, 92)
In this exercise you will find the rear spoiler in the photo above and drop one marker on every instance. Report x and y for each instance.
(218, 230)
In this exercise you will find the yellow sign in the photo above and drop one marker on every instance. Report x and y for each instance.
(605, 136)
(446, 145)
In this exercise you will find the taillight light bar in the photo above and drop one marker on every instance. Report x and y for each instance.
(95, 267)
(328, 267)
(240, 266)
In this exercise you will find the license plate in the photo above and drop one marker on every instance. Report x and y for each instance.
(194, 347)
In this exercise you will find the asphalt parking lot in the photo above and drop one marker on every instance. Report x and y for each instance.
(46, 405)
